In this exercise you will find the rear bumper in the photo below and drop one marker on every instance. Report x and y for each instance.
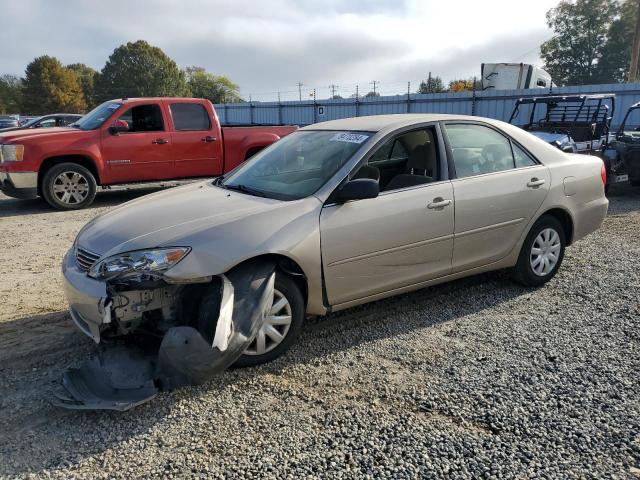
(589, 218)
(22, 185)
(86, 297)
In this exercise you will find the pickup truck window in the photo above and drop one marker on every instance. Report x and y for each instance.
(189, 116)
(97, 116)
(296, 166)
(143, 118)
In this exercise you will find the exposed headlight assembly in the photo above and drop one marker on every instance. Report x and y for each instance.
(140, 263)
(11, 153)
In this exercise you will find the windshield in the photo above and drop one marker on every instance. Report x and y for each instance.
(296, 166)
(32, 122)
(97, 116)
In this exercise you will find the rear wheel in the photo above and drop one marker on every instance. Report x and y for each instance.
(281, 326)
(68, 186)
(542, 252)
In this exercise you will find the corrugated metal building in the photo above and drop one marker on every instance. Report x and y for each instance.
(489, 103)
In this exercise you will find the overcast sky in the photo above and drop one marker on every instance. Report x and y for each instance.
(269, 45)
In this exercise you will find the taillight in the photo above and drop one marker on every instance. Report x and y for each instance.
(603, 174)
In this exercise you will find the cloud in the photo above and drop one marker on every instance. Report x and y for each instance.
(268, 46)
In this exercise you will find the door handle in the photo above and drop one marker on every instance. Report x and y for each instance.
(160, 141)
(208, 139)
(534, 182)
(439, 202)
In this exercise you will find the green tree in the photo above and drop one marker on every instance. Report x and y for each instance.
(572, 56)
(432, 85)
(372, 94)
(138, 69)
(87, 77)
(49, 87)
(10, 94)
(217, 88)
(616, 53)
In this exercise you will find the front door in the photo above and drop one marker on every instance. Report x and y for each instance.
(402, 237)
(198, 150)
(143, 151)
(498, 188)
(380, 244)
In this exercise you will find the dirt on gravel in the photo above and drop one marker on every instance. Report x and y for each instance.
(476, 378)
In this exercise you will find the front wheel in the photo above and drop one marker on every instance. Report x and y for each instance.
(542, 252)
(69, 186)
(280, 327)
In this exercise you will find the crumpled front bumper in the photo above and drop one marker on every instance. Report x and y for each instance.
(122, 376)
(87, 298)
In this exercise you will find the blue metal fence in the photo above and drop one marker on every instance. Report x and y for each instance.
(489, 103)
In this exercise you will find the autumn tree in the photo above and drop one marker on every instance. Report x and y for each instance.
(216, 88)
(138, 69)
(463, 85)
(87, 77)
(49, 87)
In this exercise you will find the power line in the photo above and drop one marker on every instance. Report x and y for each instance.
(374, 83)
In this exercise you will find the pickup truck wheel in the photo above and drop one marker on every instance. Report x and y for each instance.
(281, 326)
(69, 186)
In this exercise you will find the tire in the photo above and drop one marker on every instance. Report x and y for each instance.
(545, 270)
(69, 186)
(284, 288)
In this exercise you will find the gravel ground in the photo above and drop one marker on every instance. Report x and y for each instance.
(477, 378)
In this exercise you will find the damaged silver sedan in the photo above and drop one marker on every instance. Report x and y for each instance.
(179, 285)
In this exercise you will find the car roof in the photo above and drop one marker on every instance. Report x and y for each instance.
(379, 123)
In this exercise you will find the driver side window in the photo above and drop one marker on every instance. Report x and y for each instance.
(407, 160)
(142, 118)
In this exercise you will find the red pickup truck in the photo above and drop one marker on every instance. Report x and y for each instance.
(125, 141)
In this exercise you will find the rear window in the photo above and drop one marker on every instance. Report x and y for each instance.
(190, 116)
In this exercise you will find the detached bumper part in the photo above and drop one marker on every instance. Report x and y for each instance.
(122, 377)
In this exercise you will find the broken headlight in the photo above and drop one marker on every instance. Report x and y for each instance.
(139, 263)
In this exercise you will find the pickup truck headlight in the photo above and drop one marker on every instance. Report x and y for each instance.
(11, 153)
(138, 263)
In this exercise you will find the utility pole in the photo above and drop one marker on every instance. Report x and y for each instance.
(429, 89)
(333, 89)
(633, 66)
(300, 90)
(374, 83)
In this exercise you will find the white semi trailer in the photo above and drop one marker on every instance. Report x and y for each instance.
(512, 76)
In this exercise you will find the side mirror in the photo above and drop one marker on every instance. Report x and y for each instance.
(358, 189)
(119, 126)
(567, 149)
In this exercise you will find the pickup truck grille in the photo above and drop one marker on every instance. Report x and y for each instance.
(85, 259)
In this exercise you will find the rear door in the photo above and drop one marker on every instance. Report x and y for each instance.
(198, 151)
(498, 187)
(142, 152)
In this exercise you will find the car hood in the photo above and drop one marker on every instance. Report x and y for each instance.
(194, 215)
(26, 133)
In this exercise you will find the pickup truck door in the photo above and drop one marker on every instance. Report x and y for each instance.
(142, 152)
(196, 140)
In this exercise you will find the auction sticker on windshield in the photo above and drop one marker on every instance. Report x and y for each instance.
(349, 137)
